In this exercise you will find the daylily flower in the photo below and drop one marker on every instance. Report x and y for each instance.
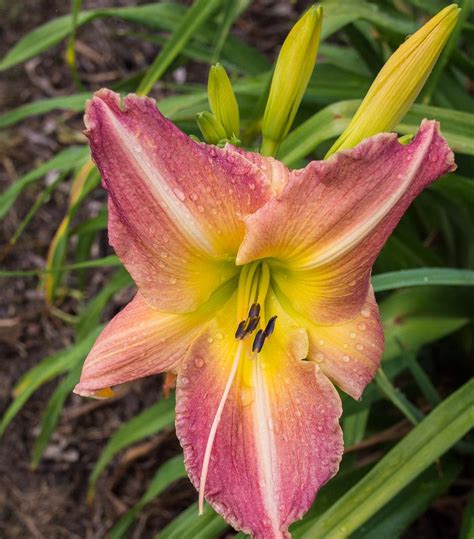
(254, 287)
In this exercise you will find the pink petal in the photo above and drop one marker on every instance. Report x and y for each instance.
(176, 207)
(327, 227)
(349, 353)
(278, 439)
(139, 341)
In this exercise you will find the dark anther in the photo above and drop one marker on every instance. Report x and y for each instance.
(240, 332)
(258, 341)
(254, 310)
(270, 326)
(252, 324)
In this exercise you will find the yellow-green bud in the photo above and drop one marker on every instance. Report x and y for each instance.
(211, 128)
(222, 101)
(399, 81)
(293, 70)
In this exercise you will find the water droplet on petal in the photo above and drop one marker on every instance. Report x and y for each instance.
(179, 194)
(352, 335)
(359, 346)
(346, 359)
(321, 342)
(365, 313)
(210, 340)
(200, 208)
(184, 381)
(199, 362)
(362, 326)
(219, 335)
(320, 357)
(172, 280)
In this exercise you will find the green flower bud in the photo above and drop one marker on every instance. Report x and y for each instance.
(211, 128)
(222, 101)
(293, 70)
(399, 81)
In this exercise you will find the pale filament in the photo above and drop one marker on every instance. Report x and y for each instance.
(215, 424)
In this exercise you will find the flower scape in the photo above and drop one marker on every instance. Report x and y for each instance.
(254, 289)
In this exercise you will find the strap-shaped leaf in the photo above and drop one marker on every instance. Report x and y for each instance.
(428, 441)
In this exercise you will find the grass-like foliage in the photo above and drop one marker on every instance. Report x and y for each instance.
(407, 440)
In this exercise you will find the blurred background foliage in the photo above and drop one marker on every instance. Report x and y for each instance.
(407, 470)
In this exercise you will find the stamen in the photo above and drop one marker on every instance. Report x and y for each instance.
(252, 324)
(254, 310)
(241, 332)
(270, 326)
(258, 341)
(215, 424)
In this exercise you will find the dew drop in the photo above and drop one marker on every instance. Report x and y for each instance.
(200, 208)
(321, 342)
(298, 413)
(365, 313)
(199, 362)
(319, 357)
(193, 197)
(179, 194)
(172, 280)
(184, 381)
(359, 347)
(346, 359)
(362, 326)
(219, 336)
(210, 340)
(352, 335)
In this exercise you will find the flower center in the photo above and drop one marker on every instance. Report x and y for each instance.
(254, 282)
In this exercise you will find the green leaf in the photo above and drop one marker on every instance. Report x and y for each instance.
(90, 315)
(65, 160)
(410, 503)
(74, 102)
(397, 398)
(456, 126)
(195, 16)
(417, 316)
(190, 525)
(331, 121)
(440, 430)
(107, 261)
(467, 527)
(46, 370)
(166, 474)
(324, 125)
(53, 411)
(422, 277)
(158, 16)
(157, 417)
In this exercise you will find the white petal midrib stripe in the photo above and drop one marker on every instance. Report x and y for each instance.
(346, 243)
(168, 201)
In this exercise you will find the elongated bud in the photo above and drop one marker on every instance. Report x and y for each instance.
(223, 102)
(293, 70)
(211, 128)
(399, 81)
